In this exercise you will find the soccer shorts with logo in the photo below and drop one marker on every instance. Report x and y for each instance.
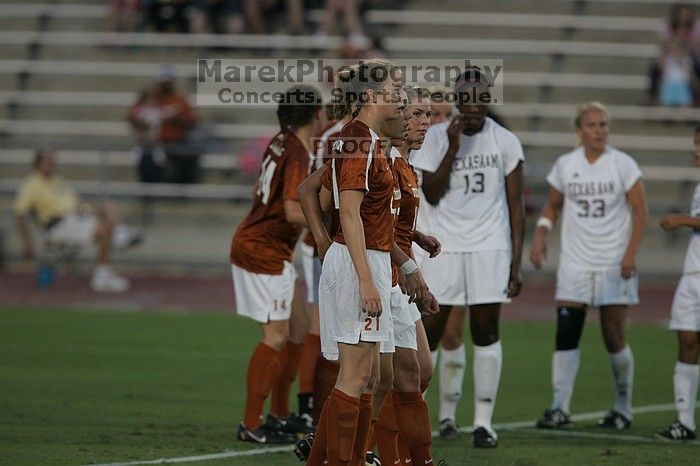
(596, 287)
(264, 297)
(685, 312)
(459, 278)
(342, 318)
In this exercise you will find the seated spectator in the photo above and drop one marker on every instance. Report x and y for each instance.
(677, 77)
(65, 220)
(168, 112)
(217, 16)
(350, 10)
(680, 32)
(146, 120)
(124, 15)
(258, 13)
(169, 15)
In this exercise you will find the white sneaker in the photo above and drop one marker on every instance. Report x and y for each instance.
(124, 237)
(104, 279)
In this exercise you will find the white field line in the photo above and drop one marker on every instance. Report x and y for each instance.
(593, 435)
(504, 426)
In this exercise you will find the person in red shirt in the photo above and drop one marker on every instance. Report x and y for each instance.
(261, 253)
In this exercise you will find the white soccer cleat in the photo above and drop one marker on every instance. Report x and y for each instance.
(104, 279)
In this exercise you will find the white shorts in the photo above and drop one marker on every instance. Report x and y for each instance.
(459, 278)
(405, 317)
(420, 255)
(74, 229)
(342, 319)
(312, 272)
(263, 297)
(596, 287)
(685, 312)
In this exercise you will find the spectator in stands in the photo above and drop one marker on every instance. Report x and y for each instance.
(57, 209)
(677, 77)
(217, 16)
(679, 38)
(350, 9)
(124, 15)
(146, 120)
(169, 110)
(169, 15)
(258, 13)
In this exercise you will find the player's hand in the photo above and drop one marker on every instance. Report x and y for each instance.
(429, 305)
(515, 282)
(371, 301)
(429, 244)
(628, 268)
(538, 252)
(454, 130)
(671, 221)
(416, 289)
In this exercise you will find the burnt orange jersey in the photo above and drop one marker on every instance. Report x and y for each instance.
(264, 240)
(360, 163)
(406, 222)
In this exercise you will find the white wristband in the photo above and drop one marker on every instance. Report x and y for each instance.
(409, 267)
(546, 223)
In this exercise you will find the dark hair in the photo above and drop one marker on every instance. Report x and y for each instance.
(697, 129)
(299, 106)
(39, 155)
(471, 75)
(675, 17)
(353, 81)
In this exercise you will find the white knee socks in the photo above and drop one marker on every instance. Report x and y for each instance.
(487, 375)
(564, 369)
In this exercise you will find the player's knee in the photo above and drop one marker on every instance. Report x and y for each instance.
(569, 327)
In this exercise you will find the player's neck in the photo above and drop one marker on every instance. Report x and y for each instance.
(404, 149)
(593, 154)
(304, 135)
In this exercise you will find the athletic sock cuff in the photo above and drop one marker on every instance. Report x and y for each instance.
(493, 346)
(343, 396)
(689, 368)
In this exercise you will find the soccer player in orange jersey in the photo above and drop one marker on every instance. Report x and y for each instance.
(261, 252)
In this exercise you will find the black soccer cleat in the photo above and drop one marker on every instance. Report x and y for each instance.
(676, 431)
(554, 419)
(303, 447)
(372, 460)
(483, 438)
(614, 420)
(263, 435)
(448, 429)
(291, 425)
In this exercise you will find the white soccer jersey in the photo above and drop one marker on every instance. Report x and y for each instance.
(597, 220)
(424, 219)
(473, 213)
(692, 257)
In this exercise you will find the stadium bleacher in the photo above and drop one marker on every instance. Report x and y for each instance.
(67, 83)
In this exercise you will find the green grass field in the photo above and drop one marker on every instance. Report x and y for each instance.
(100, 387)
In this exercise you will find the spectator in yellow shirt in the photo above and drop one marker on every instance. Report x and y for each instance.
(57, 210)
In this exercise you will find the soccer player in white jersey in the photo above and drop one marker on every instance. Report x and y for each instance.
(685, 319)
(473, 171)
(600, 191)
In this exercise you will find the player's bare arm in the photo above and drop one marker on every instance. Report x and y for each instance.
(312, 207)
(353, 230)
(638, 203)
(550, 214)
(671, 222)
(429, 244)
(435, 184)
(516, 213)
